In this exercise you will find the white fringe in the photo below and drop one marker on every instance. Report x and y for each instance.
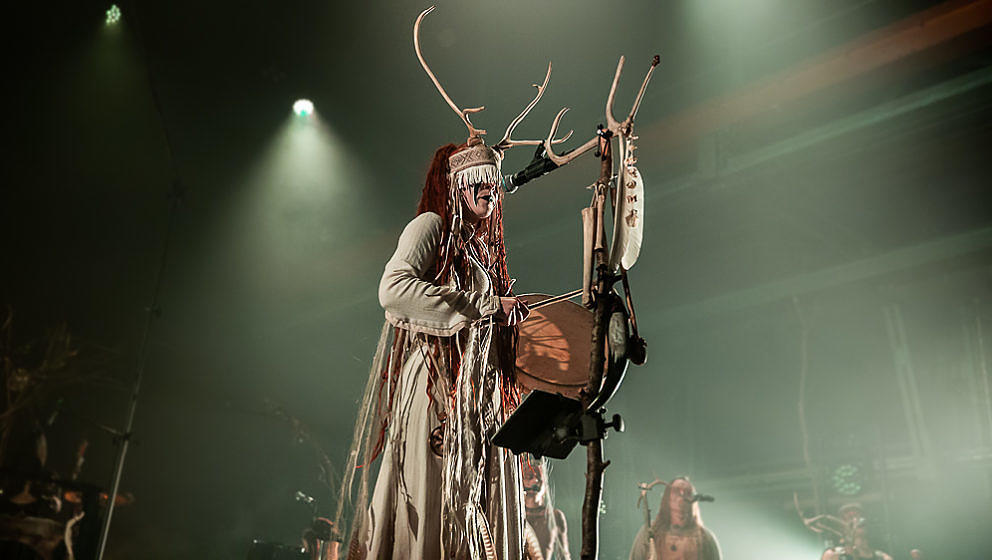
(487, 174)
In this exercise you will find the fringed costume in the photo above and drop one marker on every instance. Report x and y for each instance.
(442, 380)
(441, 386)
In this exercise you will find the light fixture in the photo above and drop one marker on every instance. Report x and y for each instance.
(848, 479)
(303, 107)
(113, 14)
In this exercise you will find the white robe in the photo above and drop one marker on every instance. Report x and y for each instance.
(405, 519)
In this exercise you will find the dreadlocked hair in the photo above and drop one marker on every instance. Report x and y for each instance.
(506, 338)
(436, 193)
(437, 198)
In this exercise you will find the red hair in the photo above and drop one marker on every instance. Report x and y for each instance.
(436, 193)
(436, 197)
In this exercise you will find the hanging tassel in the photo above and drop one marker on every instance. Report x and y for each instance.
(478, 174)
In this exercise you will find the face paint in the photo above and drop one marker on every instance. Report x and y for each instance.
(480, 200)
(534, 488)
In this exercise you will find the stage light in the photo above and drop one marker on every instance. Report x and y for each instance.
(303, 107)
(848, 479)
(113, 14)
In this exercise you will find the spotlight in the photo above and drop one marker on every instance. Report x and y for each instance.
(303, 107)
(848, 479)
(113, 14)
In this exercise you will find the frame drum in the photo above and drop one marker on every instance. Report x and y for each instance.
(554, 347)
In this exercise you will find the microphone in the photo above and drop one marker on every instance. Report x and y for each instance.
(703, 498)
(537, 167)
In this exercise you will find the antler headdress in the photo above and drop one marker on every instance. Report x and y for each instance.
(824, 523)
(478, 162)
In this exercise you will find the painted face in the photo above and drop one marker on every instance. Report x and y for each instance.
(681, 496)
(479, 201)
(534, 488)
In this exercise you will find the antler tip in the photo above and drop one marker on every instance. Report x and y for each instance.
(508, 142)
(424, 13)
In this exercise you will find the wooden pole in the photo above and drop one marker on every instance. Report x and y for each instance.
(594, 449)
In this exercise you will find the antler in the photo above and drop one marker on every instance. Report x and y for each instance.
(506, 143)
(645, 487)
(611, 122)
(612, 125)
(561, 160)
(644, 86)
(618, 127)
(818, 523)
(474, 134)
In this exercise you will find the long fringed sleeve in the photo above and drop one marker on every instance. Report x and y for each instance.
(411, 301)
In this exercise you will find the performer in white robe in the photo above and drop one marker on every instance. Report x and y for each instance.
(443, 380)
(437, 393)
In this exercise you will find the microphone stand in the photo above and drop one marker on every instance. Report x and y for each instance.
(153, 311)
(597, 294)
(595, 464)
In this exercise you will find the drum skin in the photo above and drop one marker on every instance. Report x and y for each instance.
(554, 347)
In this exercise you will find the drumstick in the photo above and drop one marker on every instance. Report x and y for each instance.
(555, 299)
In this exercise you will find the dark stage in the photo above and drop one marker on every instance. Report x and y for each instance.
(814, 285)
